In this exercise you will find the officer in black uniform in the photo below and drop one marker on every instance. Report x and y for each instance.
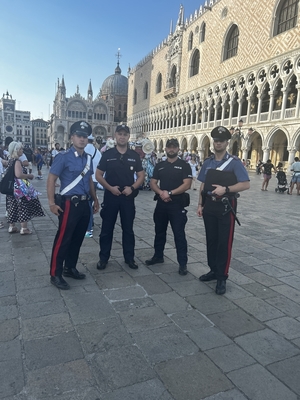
(175, 178)
(119, 165)
(222, 176)
(74, 210)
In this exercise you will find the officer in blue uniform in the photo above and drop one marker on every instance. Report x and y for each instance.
(72, 209)
(175, 177)
(119, 165)
(222, 176)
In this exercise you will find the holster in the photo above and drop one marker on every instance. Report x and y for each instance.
(58, 199)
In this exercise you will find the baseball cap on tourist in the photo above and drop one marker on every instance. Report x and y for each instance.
(122, 128)
(172, 142)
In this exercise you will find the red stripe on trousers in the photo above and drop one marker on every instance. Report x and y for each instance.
(60, 237)
(230, 241)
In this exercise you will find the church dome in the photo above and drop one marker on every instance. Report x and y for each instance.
(116, 84)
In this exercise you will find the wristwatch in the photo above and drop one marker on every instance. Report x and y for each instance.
(132, 188)
(227, 189)
(170, 193)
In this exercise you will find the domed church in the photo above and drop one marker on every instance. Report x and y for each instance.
(103, 113)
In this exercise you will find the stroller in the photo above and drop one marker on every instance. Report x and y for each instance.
(281, 182)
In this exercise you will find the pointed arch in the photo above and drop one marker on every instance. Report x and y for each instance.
(285, 16)
(195, 63)
(145, 91)
(158, 83)
(231, 42)
(190, 43)
(202, 32)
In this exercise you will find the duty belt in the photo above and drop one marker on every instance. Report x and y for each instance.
(76, 198)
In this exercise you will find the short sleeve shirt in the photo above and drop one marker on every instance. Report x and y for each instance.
(171, 175)
(234, 166)
(67, 166)
(268, 168)
(120, 168)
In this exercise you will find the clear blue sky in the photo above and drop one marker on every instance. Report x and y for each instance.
(42, 40)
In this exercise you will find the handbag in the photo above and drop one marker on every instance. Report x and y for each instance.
(7, 182)
(23, 188)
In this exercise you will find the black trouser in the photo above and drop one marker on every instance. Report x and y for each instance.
(176, 214)
(72, 226)
(111, 206)
(219, 236)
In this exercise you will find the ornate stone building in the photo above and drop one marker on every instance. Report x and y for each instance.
(14, 123)
(233, 63)
(103, 113)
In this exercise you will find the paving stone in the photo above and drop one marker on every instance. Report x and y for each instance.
(170, 302)
(210, 303)
(132, 292)
(88, 307)
(149, 390)
(9, 330)
(10, 350)
(286, 326)
(73, 376)
(117, 280)
(164, 343)
(190, 377)
(8, 312)
(252, 381)
(288, 372)
(8, 301)
(7, 288)
(121, 367)
(263, 279)
(143, 319)
(292, 280)
(239, 278)
(190, 320)
(33, 310)
(153, 284)
(209, 338)
(40, 294)
(41, 327)
(266, 346)
(259, 308)
(132, 304)
(286, 265)
(103, 335)
(230, 357)
(258, 290)
(45, 352)
(274, 272)
(89, 393)
(230, 395)
(235, 322)
(11, 377)
(233, 291)
(288, 292)
(188, 288)
(174, 277)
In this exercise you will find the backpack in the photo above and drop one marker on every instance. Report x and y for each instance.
(7, 182)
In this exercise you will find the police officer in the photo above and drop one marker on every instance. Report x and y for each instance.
(175, 177)
(73, 211)
(222, 176)
(119, 164)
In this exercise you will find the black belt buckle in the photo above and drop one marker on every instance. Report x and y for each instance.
(75, 200)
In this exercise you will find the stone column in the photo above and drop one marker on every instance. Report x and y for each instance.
(271, 105)
(292, 152)
(298, 102)
(258, 107)
(283, 106)
(201, 154)
(266, 154)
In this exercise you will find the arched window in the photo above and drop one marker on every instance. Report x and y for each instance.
(286, 16)
(231, 43)
(173, 77)
(135, 97)
(202, 32)
(145, 91)
(158, 83)
(194, 68)
(190, 44)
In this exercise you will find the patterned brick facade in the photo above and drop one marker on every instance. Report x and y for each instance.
(201, 89)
